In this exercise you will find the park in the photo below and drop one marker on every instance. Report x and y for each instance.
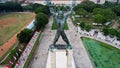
(59, 35)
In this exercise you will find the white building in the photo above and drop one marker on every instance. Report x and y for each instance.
(98, 1)
(3, 1)
(113, 0)
(56, 1)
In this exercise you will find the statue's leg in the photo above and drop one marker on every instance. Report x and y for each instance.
(66, 40)
(56, 37)
(64, 37)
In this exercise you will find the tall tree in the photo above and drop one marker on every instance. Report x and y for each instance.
(99, 19)
(116, 10)
(43, 9)
(81, 11)
(25, 35)
(88, 27)
(107, 13)
(105, 31)
(41, 21)
(82, 25)
(88, 5)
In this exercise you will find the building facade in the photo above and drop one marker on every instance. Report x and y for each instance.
(114, 1)
(98, 1)
(3, 1)
(54, 1)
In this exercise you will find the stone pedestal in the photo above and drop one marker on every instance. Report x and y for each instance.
(60, 58)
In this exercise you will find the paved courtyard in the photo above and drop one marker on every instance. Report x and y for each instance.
(79, 53)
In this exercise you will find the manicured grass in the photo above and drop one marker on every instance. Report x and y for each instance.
(54, 27)
(101, 54)
(11, 24)
(32, 52)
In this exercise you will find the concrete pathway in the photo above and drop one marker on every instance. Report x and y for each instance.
(80, 55)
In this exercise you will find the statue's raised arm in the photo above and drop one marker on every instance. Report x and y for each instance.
(51, 7)
(71, 9)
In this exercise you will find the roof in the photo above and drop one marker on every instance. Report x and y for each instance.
(31, 25)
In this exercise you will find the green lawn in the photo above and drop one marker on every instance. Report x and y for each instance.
(12, 26)
(101, 54)
(54, 27)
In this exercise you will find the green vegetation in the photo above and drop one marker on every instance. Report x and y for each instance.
(111, 32)
(43, 9)
(7, 59)
(85, 26)
(10, 7)
(25, 35)
(101, 54)
(41, 21)
(54, 27)
(13, 50)
(99, 19)
(14, 23)
(96, 13)
(81, 12)
(32, 52)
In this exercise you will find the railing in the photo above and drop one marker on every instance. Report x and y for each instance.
(22, 60)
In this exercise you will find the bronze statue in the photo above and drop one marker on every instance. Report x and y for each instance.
(60, 18)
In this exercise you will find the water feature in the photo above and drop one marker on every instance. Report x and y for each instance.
(102, 55)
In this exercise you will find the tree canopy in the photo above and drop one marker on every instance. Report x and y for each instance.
(116, 10)
(81, 11)
(43, 9)
(10, 7)
(99, 19)
(107, 13)
(25, 35)
(88, 5)
(41, 21)
(88, 27)
(111, 32)
(82, 25)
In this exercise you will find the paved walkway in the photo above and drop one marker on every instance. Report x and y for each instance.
(79, 53)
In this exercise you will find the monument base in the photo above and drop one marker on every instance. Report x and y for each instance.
(60, 46)
(60, 58)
